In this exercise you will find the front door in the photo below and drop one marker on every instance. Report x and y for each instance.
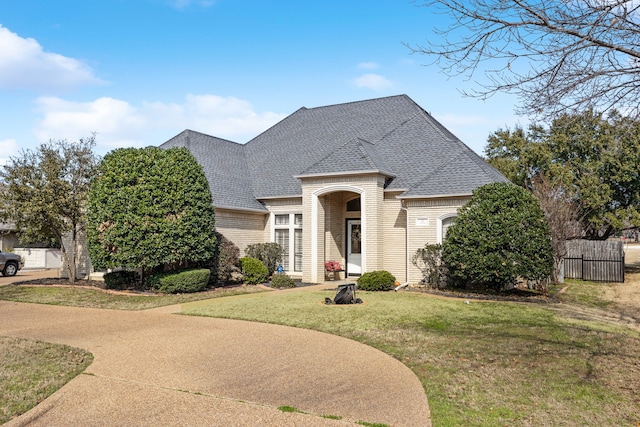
(354, 247)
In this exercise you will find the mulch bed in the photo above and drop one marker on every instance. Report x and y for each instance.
(515, 295)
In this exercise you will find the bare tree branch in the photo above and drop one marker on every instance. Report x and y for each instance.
(558, 57)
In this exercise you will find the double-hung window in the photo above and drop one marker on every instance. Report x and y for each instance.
(288, 234)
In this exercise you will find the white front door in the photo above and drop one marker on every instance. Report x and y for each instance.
(354, 247)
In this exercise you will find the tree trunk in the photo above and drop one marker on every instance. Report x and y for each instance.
(70, 263)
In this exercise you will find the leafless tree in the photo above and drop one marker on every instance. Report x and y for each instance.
(562, 213)
(557, 56)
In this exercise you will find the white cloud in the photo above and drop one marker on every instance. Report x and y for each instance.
(368, 65)
(24, 64)
(373, 81)
(120, 124)
(8, 148)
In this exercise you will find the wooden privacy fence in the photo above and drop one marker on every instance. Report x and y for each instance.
(597, 261)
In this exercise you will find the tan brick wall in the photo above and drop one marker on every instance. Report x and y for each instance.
(394, 248)
(422, 219)
(242, 228)
(335, 226)
(330, 208)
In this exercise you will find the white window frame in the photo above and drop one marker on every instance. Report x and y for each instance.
(440, 229)
(291, 226)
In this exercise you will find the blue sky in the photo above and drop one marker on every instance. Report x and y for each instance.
(138, 72)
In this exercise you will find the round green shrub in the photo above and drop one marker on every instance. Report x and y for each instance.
(253, 270)
(282, 281)
(501, 235)
(380, 280)
(119, 280)
(185, 281)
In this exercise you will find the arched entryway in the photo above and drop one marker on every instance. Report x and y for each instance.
(337, 231)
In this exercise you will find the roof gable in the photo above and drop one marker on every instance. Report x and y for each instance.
(356, 155)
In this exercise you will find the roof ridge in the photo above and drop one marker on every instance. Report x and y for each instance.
(358, 102)
(365, 152)
(331, 154)
(186, 132)
(275, 125)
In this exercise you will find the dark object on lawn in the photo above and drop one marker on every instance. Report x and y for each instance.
(346, 295)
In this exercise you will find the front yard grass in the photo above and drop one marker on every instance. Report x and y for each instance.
(481, 363)
(98, 298)
(589, 294)
(31, 370)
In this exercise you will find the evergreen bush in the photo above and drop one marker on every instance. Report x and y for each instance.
(501, 235)
(120, 280)
(253, 270)
(226, 259)
(282, 281)
(150, 208)
(185, 281)
(269, 253)
(380, 280)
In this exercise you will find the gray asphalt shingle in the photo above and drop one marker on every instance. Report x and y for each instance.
(225, 166)
(392, 135)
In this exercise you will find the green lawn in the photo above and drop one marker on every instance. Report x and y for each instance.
(30, 371)
(481, 363)
(97, 298)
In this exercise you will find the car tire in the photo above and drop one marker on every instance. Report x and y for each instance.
(10, 269)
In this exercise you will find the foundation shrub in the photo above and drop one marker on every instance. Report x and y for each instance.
(185, 281)
(119, 280)
(269, 253)
(282, 281)
(429, 260)
(226, 259)
(380, 280)
(253, 270)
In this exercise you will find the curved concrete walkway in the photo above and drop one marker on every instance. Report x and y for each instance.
(156, 368)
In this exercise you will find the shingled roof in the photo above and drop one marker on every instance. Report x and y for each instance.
(225, 166)
(392, 136)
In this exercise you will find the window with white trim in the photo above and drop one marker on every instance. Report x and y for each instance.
(446, 223)
(288, 234)
(443, 226)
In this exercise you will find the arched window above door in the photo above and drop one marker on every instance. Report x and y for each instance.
(353, 205)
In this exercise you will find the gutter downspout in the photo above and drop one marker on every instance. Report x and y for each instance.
(406, 239)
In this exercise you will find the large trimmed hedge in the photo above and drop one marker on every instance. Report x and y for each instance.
(149, 207)
(185, 281)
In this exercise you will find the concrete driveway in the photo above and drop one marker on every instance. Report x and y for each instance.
(156, 368)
